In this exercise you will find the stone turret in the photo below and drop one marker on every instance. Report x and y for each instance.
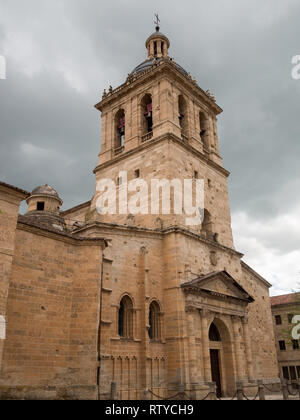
(44, 206)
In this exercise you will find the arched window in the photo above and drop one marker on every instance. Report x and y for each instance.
(154, 322)
(182, 114)
(119, 129)
(147, 118)
(204, 129)
(125, 324)
(214, 334)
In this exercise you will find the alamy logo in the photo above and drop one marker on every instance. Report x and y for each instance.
(296, 68)
(296, 329)
(137, 197)
(2, 67)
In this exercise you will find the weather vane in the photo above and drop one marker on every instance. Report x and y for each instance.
(157, 21)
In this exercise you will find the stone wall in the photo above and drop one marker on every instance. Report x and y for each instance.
(52, 312)
(10, 198)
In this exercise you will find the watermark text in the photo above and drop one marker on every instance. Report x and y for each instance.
(296, 68)
(157, 196)
(2, 67)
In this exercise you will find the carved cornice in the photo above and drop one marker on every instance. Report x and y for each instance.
(165, 66)
(159, 233)
(154, 141)
(61, 236)
(193, 290)
(191, 309)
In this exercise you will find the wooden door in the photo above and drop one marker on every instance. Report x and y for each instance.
(215, 370)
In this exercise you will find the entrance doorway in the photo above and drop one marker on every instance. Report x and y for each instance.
(221, 351)
(215, 370)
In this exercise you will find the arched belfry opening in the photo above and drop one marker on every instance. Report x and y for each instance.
(183, 115)
(147, 115)
(120, 129)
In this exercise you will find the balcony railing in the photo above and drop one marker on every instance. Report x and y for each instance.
(147, 136)
(119, 150)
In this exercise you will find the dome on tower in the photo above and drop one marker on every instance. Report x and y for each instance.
(157, 46)
(45, 190)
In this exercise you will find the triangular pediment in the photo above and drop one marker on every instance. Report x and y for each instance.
(219, 283)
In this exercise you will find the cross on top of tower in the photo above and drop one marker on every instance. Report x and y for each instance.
(157, 21)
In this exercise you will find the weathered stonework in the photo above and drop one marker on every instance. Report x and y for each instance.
(150, 306)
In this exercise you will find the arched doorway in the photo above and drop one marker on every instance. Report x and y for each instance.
(221, 361)
(214, 337)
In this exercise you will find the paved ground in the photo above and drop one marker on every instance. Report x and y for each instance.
(274, 397)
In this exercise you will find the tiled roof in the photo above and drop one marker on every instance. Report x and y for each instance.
(283, 299)
(14, 188)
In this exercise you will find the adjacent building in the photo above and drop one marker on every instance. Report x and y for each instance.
(284, 309)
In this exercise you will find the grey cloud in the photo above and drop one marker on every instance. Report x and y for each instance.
(62, 54)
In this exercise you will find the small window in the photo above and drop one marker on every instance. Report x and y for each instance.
(154, 322)
(137, 173)
(285, 372)
(196, 175)
(290, 318)
(278, 319)
(40, 206)
(119, 181)
(298, 371)
(295, 345)
(293, 373)
(125, 318)
(282, 345)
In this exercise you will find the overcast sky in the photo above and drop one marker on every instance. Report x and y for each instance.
(61, 54)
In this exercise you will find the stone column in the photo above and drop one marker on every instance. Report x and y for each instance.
(205, 345)
(165, 50)
(104, 134)
(193, 368)
(151, 49)
(237, 347)
(215, 125)
(248, 348)
(211, 134)
(144, 299)
(159, 52)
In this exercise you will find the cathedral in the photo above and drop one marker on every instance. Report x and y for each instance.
(134, 305)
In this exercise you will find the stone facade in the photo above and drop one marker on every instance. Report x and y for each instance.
(138, 304)
(284, 308)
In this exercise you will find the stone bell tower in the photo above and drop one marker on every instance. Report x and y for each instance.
(160, 124)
